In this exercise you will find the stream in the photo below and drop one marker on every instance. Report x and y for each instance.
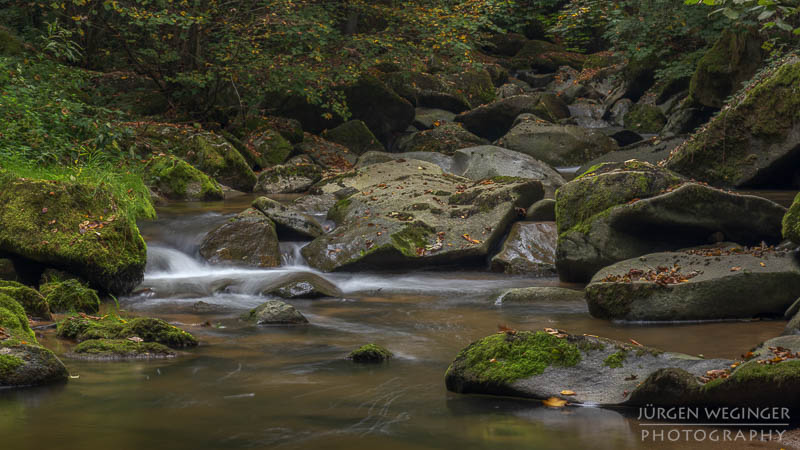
(290, 387)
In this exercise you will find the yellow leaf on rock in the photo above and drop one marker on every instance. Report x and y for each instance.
(567, 392)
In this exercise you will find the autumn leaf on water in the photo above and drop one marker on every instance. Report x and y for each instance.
(554, 402)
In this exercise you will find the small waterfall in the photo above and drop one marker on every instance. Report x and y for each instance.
(161, 260)
(291, 256)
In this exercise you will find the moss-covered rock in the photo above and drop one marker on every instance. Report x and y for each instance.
(370, 353)
(754, 141)
(644, 118)
(249, 239)
(23, 362)
(110, 326)
(70, 296)
(265, 148)
(116, 349)
(475, 85)
(618, 211)
(275, 312)
(791, 222)
(32, 301)
(734, 59)
(72, 225)
(445, 139)
(211, 153)
(175, 179)
(355, 136)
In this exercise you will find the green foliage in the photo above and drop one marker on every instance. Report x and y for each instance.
(779, 18)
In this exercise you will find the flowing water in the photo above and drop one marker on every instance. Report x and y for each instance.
(290, 387)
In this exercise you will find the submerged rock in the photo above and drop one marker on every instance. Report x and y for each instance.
(249, 239)
(623, 210)
(409, 213)
(697, 284)
(289, 220)
(23, 362)
(72, 225)
(275, 312)
(370, 353)
(529, 249)
(70, 296)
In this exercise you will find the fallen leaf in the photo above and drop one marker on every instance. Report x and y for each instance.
(635, 343)
(567, 392)
(554, 402)
(736, 269)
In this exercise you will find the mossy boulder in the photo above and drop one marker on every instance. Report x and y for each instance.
(529, 249)
(72, 225)
(619, 211)
(557, 145)
(445, 138)
(275, 312)
(644, 118)
(475, 85)
(175, 179)
(699, 284)
(754, 142)
(542, 365)
(290, 129)
(211, 153)
(791, 222)
(382, 110)
(295, 176)
(71, 296)
(734, 59)
(408, 213)
(32, 301)
(119, 349)
(370, 353)
(23, 362)
(248, 239)
(265, 148)
(354, 135)
(329, 155)
(80, 329)
(493, 120)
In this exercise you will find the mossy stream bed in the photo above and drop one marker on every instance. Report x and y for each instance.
(292, 387)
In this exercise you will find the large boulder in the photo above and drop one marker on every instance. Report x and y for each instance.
(249, 239)
(557, 145)
(529, 249)
(209, 152)
(265, 148)
(381, 109)
(327, 154)
(72, 226)
(493, 120)
(354, 135)
(487, 161)
(289, 221)
(445, 138)
(409, 213)
(734, 59)
(754, 142)
(297, 175)
(578, 369)
(698, 284)
(619, 211)
(23, 362)
(175, 179)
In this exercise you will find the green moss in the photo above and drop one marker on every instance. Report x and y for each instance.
(156, 330)
(178, 180)
(504, 358)
(338, 211)
(122, 348)
(71, 296)
(266, 148)
(475, 86)
(370, 353)
(80, 328)
(113, 327)
(72, 225)
(13, 320)
(34, 304)
(645, 119)
(8, 364)
(791, 222)
(615, 360)
(412, 237)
